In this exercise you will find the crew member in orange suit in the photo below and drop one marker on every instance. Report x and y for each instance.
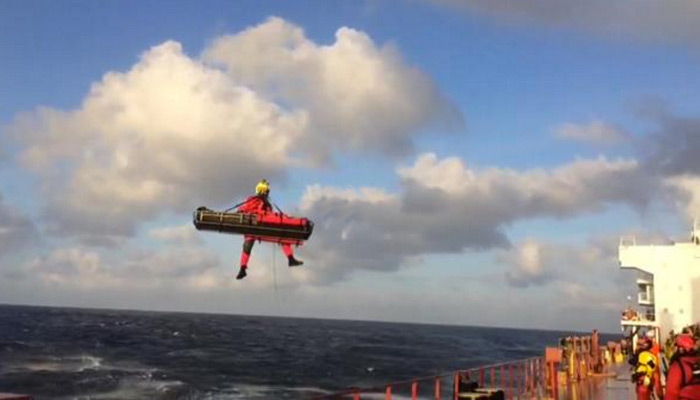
(260, 203)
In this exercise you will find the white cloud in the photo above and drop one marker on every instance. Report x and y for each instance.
(359, 96)
(503, 194)
(671, 21)
(527, 265)
(446, 207)
(370, 195)
(537, 263)
(182, 235)
(16, 229)
(168, 135)
(595, 132)
(173, 133)
(177, 268)
(72, 266)
(688, 194)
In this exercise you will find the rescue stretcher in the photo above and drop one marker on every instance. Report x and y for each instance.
(265, 226)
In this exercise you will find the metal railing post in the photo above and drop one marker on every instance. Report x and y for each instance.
(510, 381)
(502, 377)
(455, 386)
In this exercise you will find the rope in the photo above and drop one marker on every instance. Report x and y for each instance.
(278, 209)
(274, 274)
(249, 199)
(237, 205)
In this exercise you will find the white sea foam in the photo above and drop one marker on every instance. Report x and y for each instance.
(80, 363)
(62, 364)
(134, 388)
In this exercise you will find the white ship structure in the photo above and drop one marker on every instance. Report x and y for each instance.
(668, 284)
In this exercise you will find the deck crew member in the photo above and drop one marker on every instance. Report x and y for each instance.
(683, 380)
(646, 371)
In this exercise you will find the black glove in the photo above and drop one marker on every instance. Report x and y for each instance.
(635, 377)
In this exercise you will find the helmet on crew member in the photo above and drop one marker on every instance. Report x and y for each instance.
(686, 342)
(647, 359)
(262, 188)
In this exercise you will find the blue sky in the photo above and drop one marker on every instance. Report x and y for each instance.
(504, 146)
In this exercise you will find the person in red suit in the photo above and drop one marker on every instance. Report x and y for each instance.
(254, 204)
(646, 371)
(683, 379)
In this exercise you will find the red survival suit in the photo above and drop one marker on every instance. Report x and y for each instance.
(683, 379)
(255, 204)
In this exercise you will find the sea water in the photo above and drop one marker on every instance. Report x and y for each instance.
(63, 353)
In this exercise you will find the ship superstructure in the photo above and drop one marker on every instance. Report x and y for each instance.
(668, 286)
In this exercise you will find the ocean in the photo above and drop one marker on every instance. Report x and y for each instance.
(65, 353)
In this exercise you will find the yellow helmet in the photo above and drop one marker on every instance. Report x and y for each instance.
(262, 188)
(646, 363)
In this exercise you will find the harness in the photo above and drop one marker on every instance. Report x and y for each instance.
(694, 378)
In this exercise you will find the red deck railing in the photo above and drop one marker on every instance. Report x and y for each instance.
(522, 379)
(531, 378)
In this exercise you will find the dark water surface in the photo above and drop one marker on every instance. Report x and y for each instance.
(103, 354)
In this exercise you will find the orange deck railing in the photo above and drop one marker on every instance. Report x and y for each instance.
(531, 378)
(522, 379)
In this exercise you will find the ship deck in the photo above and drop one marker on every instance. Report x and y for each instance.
(614, 387)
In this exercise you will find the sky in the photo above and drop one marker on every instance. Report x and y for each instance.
(465, 162)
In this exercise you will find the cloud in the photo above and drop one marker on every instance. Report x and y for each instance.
(178, 235)
(72, 266)
(537, 263)
(172, 263)
(669, 154)
(445, 207)
(528, 266)
(176, 267)
(596, 132)
(167, 135)
(687, 189)
(173, 133)
(359, 96)
(673, 148)
(584, 279)
(498, 195)
(669, 21)
(16, 230)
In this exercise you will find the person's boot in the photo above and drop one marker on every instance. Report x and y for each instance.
(293, 262)
(241, 273)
